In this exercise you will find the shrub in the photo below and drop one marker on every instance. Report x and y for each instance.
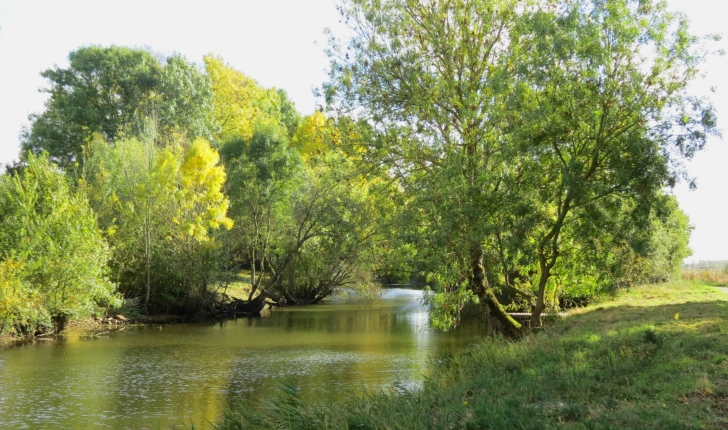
(52, 257)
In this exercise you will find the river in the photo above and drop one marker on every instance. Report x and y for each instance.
(157, 376)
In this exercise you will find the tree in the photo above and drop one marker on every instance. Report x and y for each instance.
(132, 187)
(183, 102)
(607, 117)
(310, 139)
(432, 80)
(241, 105)
(52, 254)
(264, 173)
(289, 116)
(507, 123)
(304, 217)
(157, 206)
(668, 242)
(111, 91)
(200, 209)
(99, 92)
(334, 233)
(619, 253)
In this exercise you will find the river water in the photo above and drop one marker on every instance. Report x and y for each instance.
(158, 376)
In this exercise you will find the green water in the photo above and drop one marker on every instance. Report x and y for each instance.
(153, 377)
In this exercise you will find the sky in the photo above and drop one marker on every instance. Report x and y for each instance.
(280, 43)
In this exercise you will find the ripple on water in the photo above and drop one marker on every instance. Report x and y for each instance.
(153, 378)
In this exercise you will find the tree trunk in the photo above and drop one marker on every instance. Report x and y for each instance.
(253, 286)
(148, 265)
(541, 293)
(498, 318)
(540, 303)
(548, 251)
(250, 307)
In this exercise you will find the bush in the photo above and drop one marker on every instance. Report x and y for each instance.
(52, 256)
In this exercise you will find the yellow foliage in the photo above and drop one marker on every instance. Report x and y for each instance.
(236, 99)
(312, 136)
(12, 294)
(204, 205)
(9, 270)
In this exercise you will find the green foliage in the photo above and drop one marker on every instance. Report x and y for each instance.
(52, 255)
(110, 91)
(600, 165)
(21, 310)
(445, 308)
(130, 129)
(184, 103)
(433, 83)
(263, 173)
(524, 134)
(340, 215)
(508, 152)
(157, 207)
(289, 116)
(132, 186)
(302, 228)
(669, 241)
(620, 253)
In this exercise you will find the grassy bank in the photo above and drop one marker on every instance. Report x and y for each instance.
(655, 357)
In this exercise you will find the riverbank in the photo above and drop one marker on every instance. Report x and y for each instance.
(654, 357)
(134, 315)
(95, 325)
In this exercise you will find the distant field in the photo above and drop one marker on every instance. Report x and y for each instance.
(718, 277)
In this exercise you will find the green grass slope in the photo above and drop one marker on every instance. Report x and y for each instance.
(654, 358)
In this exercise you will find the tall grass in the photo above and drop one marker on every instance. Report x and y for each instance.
(655, 358)
(718, 277)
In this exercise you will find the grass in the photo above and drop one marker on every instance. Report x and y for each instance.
(239, 287)
(655, 357)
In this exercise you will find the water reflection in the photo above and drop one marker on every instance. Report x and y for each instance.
(152, 377)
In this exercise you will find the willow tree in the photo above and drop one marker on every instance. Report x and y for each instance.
(131, 187)
(505, 122)
(432, 79)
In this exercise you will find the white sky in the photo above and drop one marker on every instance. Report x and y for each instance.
(273, 41)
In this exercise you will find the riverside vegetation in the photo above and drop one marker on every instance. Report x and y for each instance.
(513, 155)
